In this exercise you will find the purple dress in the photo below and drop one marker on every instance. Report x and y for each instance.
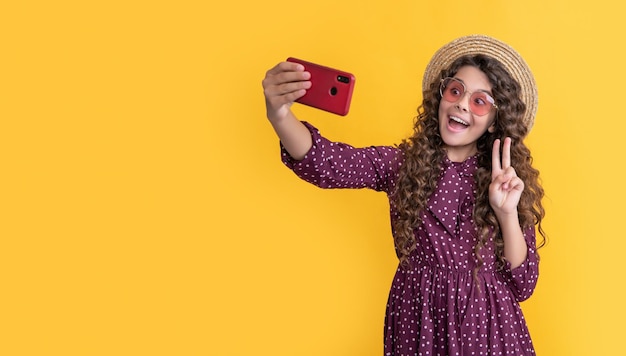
(435, 307)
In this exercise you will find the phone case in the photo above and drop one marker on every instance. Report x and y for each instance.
(331, 89)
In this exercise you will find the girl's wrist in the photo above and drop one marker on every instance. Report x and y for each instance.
(507, 218)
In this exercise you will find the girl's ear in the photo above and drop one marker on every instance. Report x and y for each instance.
(492, 128)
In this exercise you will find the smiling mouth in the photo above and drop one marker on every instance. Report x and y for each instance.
(457, 122)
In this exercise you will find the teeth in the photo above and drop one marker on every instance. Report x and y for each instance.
(454, 118)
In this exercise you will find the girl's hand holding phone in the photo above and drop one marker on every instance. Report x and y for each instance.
(331, 89)
(282, 85)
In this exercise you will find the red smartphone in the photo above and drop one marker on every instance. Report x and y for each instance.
(331, 89)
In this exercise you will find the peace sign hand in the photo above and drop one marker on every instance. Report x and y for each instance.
(506, 187)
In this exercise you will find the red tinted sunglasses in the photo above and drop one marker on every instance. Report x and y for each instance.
(453, 90)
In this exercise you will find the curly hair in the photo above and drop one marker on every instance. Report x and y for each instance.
(424, 153)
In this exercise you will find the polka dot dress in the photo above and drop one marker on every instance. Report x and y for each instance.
(435, 306)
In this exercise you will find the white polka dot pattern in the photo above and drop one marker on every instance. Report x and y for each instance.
(435, 307)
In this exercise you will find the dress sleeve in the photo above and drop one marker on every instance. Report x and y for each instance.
(523, 278)
(338, 165)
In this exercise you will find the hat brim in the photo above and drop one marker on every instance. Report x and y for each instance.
(505, 54)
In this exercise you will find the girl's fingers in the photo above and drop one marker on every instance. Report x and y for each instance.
(285, 72)
(497, 165)
(286, 88)
(281, 83)
(507, 179)
(293, 96)
(516, 184)
(288, 77)
(285, 83)
(293, 86)
(495, 159)
(285, 67)
(501, 180)
(506, 153)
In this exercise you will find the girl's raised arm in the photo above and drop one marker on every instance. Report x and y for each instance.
(504, 194)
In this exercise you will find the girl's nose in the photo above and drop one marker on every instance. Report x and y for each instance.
(463, 103)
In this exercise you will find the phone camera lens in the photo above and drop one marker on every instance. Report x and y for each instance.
(343, 79)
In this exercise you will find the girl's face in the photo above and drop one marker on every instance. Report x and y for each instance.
(458, 126)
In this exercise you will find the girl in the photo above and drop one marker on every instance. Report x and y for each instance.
(464, 198)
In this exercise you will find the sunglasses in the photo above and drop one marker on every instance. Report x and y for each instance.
(453, 90)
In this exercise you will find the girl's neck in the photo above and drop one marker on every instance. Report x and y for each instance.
(460, 154)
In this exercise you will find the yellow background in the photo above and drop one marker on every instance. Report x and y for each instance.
(145, 211)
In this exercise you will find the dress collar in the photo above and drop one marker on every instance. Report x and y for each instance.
(467, 168)
(453, 200)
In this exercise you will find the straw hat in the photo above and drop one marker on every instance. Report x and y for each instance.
(481, 44)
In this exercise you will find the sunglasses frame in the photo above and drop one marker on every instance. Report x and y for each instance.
(465, 91)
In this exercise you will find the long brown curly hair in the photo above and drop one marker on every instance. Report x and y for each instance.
(424, 153)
